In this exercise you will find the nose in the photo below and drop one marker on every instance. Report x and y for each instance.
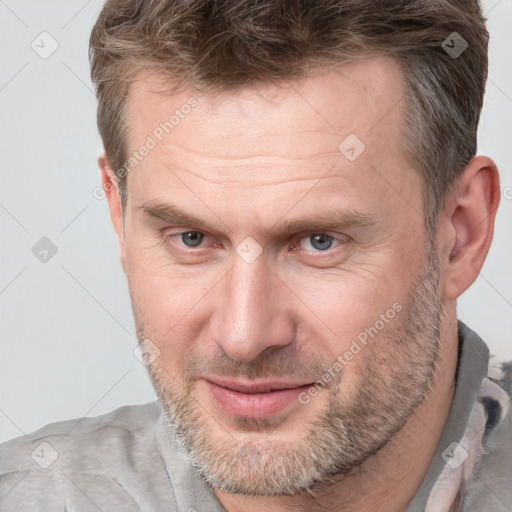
(253, 311)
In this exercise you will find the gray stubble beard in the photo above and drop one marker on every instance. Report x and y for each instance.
(396, 378)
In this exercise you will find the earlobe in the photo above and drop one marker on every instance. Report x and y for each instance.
(470, 213)
(110, 187)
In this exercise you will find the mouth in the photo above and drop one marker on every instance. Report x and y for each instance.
(255, 400)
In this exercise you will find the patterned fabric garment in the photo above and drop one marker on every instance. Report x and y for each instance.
(468, 461)
(129, 460)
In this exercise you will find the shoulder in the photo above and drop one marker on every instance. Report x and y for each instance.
(98, 458)
(63, 442)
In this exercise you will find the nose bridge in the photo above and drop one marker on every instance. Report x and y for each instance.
(248, 316)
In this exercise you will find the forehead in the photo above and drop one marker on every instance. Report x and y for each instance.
(364, 98)
(331, 138)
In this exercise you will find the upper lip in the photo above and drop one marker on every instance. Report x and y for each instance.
(255, 387)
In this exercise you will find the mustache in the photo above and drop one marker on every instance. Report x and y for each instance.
(285, 363)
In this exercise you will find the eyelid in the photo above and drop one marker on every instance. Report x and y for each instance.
(168, 236)
(341, 239)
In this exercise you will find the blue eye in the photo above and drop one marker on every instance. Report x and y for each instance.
(191, 238)
(319, 242)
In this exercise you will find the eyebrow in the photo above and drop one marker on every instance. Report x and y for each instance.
(330, 219)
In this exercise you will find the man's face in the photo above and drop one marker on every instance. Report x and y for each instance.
(265, 245)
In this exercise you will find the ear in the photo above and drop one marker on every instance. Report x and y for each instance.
(468, 224)
(109, 184)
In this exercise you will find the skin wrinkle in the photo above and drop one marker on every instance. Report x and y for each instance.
(239, 161)
(270, 167)
(311, 40)
(255, 185)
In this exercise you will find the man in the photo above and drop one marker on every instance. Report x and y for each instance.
(298, 206)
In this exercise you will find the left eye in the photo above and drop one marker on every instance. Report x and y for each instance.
(191, 238)
(319, 242)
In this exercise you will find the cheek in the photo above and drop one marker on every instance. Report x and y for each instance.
(347, 303)
(360, 321)
(153, 277)
(172, 302)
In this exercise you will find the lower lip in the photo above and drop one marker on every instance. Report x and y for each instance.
(256, 405)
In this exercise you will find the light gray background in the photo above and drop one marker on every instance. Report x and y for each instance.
(66, 331)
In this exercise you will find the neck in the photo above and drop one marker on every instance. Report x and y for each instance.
(392, 476)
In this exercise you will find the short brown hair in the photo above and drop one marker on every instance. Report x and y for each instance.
(227, 44)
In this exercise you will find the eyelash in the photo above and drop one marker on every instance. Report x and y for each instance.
(200, 250)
